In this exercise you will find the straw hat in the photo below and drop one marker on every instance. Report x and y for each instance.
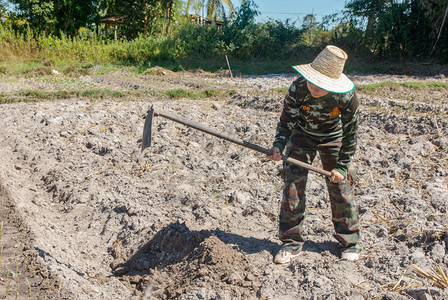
(326, 71)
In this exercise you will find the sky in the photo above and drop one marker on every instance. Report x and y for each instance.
(296, 10)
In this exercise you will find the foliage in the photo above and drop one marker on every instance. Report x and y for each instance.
(142, 17)
(3, 11)
(215, 9)
(142, 51)
(57, 16)
(31, 46)
(309, 25)
(242, 38)
(391, 34)
(240, 34)
(403, 29)
(277, 39)
(200, 41)
(64, 32)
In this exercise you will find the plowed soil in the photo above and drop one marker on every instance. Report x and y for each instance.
(194, 216)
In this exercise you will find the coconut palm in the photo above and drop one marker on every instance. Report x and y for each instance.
(216, 9)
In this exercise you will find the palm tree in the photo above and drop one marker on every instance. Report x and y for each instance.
(216, 9)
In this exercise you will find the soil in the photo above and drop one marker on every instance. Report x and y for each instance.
(194, 216)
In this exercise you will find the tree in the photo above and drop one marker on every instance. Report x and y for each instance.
(407, 28)
(370, 9)
(436, 13)
(147, 17)
(2, 10)
(55, 16)
(216, 9)
(168, 5)
(246, 15)
(309, 24)
(392, 36)
(241, 32)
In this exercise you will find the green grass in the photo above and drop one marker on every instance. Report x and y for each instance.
(413, 85)
(37, 96)
(75, 69)
(98, 94)
(195, 94)
(281, 90)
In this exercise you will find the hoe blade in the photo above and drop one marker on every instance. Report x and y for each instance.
(147, 129)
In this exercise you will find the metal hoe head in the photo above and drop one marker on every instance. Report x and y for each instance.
(147, 129)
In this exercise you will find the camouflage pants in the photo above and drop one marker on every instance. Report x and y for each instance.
(344, 209)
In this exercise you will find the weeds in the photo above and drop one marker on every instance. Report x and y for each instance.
(96, 94)
(180, 93)
(392, 84)
(37, 96)
(195, 94)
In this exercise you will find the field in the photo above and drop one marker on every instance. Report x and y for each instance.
(86, 215)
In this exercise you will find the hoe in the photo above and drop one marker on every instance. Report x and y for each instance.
(147, 134)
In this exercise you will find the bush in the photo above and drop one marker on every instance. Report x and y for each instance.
(204, 41)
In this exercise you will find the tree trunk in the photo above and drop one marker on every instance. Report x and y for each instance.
(187, 11)
(145, 23)
(168, 16)
(370, 29)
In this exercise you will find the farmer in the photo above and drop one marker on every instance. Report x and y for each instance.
(320, 113)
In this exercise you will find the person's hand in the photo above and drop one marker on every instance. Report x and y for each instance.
(276, 154)
(336, 177)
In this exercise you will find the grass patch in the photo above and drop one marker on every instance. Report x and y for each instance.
(42, 68)
(195, 94)
(374, 87)
(30, 96)
(38, 96)
(282, 90)
(214, 93)
(180, 93)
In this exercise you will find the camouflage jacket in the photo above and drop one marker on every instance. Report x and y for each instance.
(326, 116)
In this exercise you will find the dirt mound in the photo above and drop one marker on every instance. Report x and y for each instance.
(182, 264)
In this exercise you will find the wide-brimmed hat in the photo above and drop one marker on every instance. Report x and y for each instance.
(326, 71)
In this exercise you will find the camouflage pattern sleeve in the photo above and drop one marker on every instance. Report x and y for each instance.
(350, 121)
(288, 118)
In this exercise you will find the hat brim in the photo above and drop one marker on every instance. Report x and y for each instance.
(340, 85)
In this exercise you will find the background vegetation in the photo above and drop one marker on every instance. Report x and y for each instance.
(38, 35)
